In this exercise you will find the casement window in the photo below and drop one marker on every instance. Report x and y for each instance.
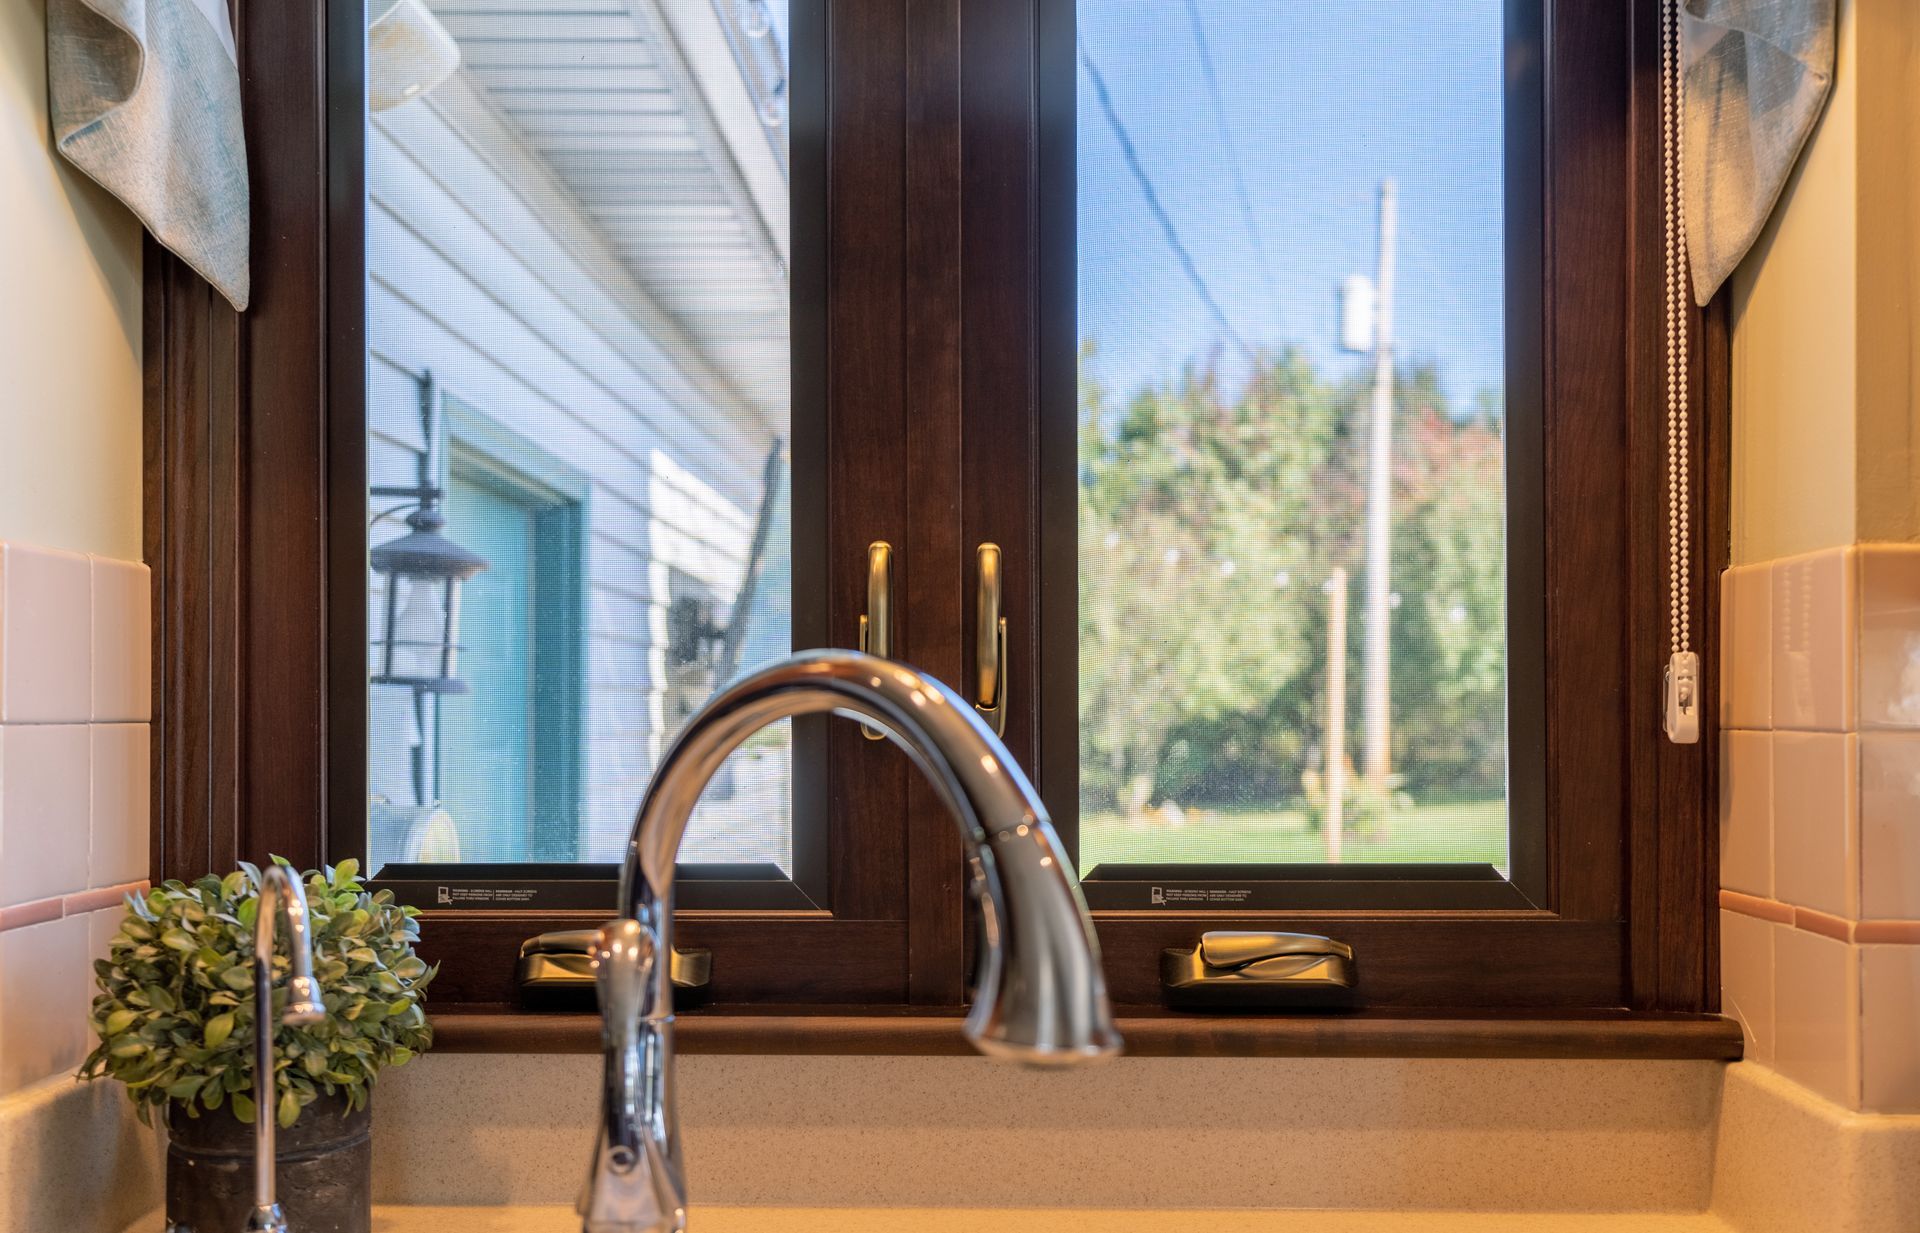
(1284, 381)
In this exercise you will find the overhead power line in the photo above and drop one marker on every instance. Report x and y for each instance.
(1165, 220)
(1233, 153)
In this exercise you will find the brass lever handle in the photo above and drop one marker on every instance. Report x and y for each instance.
(990, 643)
(1259, 969)
(876, 623)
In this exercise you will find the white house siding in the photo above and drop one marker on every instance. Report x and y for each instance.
(484, 273)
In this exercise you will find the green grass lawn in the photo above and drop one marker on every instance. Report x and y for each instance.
(1436, 832)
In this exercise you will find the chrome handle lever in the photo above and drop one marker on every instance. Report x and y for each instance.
(990, 642)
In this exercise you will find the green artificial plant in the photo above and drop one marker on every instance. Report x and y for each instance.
(175, 1008)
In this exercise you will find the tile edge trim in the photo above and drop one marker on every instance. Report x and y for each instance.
(60, 907)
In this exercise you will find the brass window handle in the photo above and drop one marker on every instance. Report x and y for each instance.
(876, 623)
(1259, 969)
(990, 643)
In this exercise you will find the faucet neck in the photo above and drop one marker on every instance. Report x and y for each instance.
(1040, 997)
(280, 895)
(1049, 967)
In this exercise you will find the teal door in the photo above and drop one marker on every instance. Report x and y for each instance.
(489, 734)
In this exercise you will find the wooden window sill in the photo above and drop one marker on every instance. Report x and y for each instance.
(1149, 1032)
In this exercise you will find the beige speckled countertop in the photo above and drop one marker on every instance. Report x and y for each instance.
(1035, 1220)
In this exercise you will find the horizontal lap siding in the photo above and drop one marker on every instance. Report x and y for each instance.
(476, 276)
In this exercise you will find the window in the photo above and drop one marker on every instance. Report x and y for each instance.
(1293, 527)
(659, 314)
(577, 219)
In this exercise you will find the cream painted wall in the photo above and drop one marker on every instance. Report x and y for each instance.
(1825, 334)
(1793, 344)
(70, 444)
(1887, 476)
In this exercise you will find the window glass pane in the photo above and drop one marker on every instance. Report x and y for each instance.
(577, 249)
(1292, 527)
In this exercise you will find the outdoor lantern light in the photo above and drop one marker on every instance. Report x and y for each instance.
(423, 570)
(419, 636)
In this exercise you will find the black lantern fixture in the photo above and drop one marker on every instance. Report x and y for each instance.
(420, 632)
(421, 646)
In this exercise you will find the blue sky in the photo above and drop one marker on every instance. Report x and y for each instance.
(1323, 101)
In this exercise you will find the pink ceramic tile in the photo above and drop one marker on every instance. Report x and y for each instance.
(1890, 825)
(120, 828)
(1890, 635)
(1746, 649)
(1816, 822)
(1757, 906)
(1746, 812)
(122, 641)
(1746, 981)
(44, 982)
(1811, 624)
(45, 643)
(102, 924)
(1816, 1010)
(82, 902)
(1826, 924)
(1890, 1028)
(43, 810)
(1900, 932)
(32, 912)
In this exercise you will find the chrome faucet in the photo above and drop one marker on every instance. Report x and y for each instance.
(1039, 996)
(280, 892)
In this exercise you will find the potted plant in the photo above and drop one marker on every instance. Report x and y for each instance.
(175, 1021)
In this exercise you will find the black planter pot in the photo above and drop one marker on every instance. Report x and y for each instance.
(324, 1175)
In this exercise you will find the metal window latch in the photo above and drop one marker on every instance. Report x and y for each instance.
(1683, 698)
(990, 643)
(1268, 970)
(876, 623)
(556, 971)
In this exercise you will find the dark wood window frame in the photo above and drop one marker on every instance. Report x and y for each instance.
(254, 453)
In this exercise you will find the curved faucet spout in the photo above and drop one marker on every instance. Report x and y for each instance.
(1039, 996)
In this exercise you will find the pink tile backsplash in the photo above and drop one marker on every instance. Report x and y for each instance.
(45, 981)
(1746, 649)
(1816, 1007)
(1746, 812)
(1811, 624)
(1820, 819)
(45, 636)
(44, 790)
(1746, 980)
(1890, 636)
(75, 701)
(1890, 1028)
(118, 836)
(1816, 822)
(1890, 825)
(122, 642)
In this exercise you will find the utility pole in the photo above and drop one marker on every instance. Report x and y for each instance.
(1379, 731)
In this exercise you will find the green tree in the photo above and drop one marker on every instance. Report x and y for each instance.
(1449, 633)
(1208, 522)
